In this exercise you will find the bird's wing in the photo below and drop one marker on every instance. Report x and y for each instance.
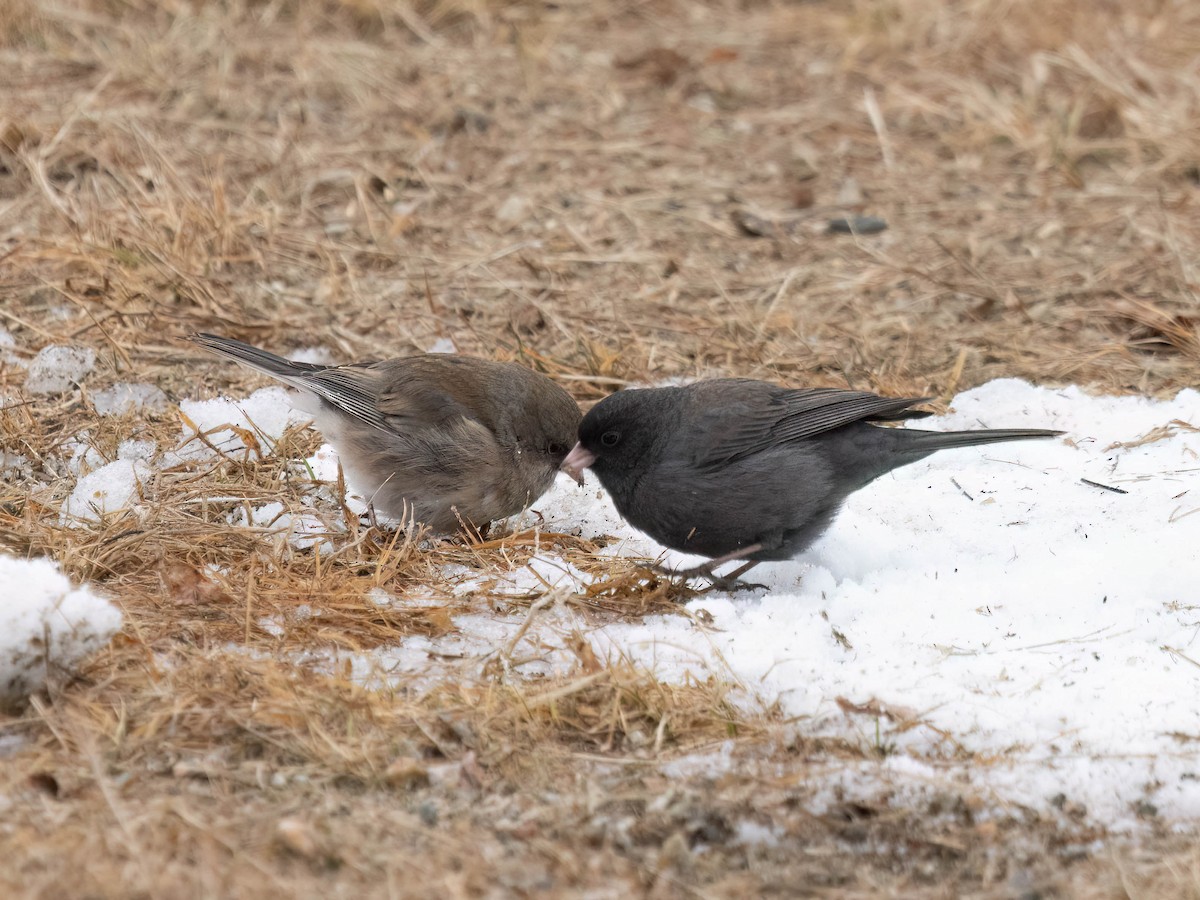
(353, 389)
(414, 393)
(437, 391)
(741, 418)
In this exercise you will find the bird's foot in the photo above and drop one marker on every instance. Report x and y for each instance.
(731, 582)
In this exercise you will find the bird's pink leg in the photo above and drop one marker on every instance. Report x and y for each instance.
(727, 582)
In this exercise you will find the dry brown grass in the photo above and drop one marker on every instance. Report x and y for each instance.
(563, 184)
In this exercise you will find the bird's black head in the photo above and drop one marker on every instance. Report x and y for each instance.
(620, 432)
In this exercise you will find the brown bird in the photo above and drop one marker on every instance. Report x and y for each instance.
(443, 440)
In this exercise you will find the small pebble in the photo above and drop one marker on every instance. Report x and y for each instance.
(857, 225)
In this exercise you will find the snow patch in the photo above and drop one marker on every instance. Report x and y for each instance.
(127, 397)
(106, 490)
(984, 602)
(58, 368)
(46, 624)
(227, 424)
(303, 530)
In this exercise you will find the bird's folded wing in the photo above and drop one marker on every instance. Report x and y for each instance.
(435, 391)
(353, 389)
(742, 423)
(412, 393)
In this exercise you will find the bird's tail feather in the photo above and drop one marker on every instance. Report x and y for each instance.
(918, 441)
(268, 363)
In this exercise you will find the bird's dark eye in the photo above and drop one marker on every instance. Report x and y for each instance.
(610, 438)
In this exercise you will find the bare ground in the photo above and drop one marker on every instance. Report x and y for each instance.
(611, 192)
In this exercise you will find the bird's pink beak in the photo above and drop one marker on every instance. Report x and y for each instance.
(576, 461)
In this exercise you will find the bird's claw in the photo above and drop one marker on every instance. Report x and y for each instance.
(729, 582)
(733, 585)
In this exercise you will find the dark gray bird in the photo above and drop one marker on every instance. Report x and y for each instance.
(443, 440)
(737, 469)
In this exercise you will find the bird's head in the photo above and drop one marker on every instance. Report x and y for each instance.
(619, 432)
